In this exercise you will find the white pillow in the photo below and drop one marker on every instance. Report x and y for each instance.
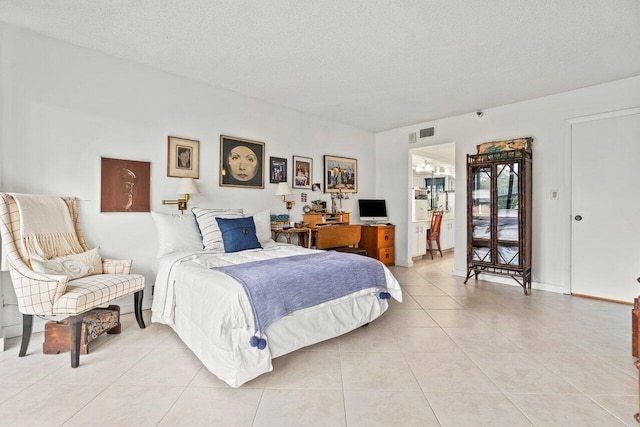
(177, 233)
(262, 220)
(74, 266)
(211, 234)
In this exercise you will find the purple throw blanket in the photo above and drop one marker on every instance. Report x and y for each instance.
(280, 286)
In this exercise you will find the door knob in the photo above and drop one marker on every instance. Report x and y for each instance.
(578, 217)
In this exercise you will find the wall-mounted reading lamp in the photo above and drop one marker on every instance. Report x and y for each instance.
(186, 186)
(284, 190)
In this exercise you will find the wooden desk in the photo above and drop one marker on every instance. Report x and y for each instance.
(304, 235)
(337, 236)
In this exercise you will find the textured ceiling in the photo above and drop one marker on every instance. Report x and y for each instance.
(372, 64)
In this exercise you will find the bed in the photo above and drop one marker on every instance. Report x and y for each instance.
(211, 312)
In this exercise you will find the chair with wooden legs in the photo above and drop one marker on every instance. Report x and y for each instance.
(49, 288)
(433, 234)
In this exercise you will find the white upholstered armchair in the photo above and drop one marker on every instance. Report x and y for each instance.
(45, 294)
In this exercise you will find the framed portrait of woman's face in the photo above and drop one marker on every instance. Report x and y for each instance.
(241, 162)
(183, 160)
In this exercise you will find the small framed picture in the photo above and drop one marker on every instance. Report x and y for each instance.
(277, 170)
(183, 160)
(340, 175)
(241, 162)
(302, 172)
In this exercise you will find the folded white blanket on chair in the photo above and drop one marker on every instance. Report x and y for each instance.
(46, 227)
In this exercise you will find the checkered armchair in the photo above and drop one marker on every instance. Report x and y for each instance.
(50, 295)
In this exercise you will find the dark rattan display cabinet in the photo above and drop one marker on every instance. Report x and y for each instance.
(499, 214)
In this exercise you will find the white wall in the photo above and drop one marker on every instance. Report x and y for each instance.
(2, 332)
(544, 119)
(66, 106)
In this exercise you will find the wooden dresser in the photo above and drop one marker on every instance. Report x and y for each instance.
(379, 241)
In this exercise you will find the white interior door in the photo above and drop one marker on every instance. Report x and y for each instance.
(605, 187)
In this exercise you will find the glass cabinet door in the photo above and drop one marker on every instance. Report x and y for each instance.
(481, 213)
(507, 185)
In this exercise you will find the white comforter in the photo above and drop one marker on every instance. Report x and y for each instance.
(211, 313)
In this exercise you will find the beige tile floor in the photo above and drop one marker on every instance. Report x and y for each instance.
(450, 355)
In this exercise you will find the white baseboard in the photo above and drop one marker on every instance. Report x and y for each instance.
(13, 331)
(404, 263)
(1, 341)
(128, 306)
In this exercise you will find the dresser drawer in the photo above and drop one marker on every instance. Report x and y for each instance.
(387, 255)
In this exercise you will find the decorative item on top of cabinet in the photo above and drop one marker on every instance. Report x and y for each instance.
(378, 241)
(499, 211)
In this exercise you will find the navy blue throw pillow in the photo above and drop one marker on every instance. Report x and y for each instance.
(238, 234)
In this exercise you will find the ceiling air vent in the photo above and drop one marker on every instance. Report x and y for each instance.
(427, 132)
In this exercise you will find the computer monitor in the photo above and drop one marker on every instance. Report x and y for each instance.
(373, 210)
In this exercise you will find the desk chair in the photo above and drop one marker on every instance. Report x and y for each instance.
(433, 234)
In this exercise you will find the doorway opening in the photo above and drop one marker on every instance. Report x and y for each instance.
(433, 178)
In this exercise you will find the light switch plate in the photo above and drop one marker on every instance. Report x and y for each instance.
(555, 195)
